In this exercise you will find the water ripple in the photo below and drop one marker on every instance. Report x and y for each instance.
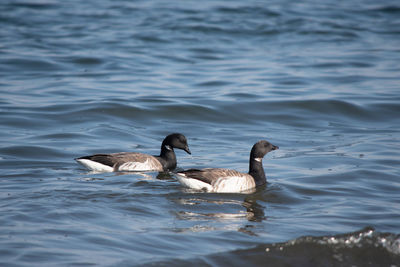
(320, 80)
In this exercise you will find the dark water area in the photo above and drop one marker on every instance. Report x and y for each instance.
(319, 79)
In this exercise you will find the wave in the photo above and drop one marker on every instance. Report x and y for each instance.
(245, 109)
(366, 247)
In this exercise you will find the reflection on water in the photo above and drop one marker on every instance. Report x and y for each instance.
(164, 176)
(144, 175)
(255, 211)
(208, 208)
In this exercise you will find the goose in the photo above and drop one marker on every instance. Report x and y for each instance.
(226, 180)
(134, 161)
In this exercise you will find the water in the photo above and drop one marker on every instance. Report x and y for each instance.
(318, 79)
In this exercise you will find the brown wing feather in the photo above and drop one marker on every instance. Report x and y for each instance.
(105, 159)
(117, 159)
(125, 157)
(210, 175)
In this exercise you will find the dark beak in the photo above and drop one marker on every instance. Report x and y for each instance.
(187, 150)
(275, 147)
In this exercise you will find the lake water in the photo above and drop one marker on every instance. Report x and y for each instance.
(320, 79)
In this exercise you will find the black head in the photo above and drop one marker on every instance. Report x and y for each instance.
(261, 148)
(177, 140)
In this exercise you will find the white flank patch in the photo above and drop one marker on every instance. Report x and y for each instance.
(258, 159)
(193, 183)
(233, 184)
(136, 166)
(95, 166)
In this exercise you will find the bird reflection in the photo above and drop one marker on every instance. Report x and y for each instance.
(164, 176)
(208, 208)
(255, 212)
(145, 175)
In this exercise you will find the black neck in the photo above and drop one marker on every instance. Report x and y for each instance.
(169, 157)
(256, 170)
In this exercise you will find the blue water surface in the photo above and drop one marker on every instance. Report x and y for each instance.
(319, 79)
